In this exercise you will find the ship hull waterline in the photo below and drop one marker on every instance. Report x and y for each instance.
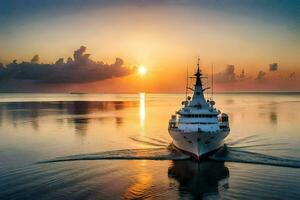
(198, 144)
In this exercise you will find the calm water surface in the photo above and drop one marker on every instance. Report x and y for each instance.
(112, 146)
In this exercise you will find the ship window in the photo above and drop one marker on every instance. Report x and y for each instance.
(207, 142)
(202, 116)
(190, 142)
(198, 139)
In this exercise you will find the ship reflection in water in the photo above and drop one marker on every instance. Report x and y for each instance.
(193, 180)
(199, 180)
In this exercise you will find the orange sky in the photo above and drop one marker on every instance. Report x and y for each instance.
(166, 39)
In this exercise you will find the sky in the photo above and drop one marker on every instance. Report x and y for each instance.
(98, 45)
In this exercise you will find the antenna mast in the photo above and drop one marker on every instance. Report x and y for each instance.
(212, 82)
(187, 82)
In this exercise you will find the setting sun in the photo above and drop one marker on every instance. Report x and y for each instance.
(142, 70)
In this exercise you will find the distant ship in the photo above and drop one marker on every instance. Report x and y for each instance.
(198, 128)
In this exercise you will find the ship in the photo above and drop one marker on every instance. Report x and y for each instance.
(198, 127)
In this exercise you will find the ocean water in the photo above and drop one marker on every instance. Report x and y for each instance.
(116, 146)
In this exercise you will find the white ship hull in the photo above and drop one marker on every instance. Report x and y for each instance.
(198, 144)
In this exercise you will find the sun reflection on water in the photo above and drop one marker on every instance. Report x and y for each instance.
(142, 110)
(143, 181)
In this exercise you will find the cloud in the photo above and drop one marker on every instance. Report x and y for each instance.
(81, 69)
(60, 61)
(292, 75)
(242, 76)
(273, 67)
(35, 59)
(228, 75)
(261, 76)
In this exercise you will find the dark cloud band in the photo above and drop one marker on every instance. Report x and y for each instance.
(80, 69)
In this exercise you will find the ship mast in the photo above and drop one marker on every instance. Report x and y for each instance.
(198, 75)
(198, 99)
(212, 82)
(187, 82)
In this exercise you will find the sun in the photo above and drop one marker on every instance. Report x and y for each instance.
(142, 70)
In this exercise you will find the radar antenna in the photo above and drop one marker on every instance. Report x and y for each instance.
(187, 82)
